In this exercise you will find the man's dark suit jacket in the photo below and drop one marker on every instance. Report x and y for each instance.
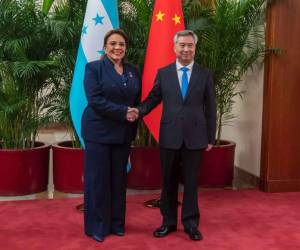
(104, 119)
(191, 120)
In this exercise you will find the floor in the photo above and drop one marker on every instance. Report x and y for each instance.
(230, 220)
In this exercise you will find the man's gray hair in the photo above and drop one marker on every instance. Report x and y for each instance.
(185, 33)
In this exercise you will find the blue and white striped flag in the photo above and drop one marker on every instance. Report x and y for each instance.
(100, 17)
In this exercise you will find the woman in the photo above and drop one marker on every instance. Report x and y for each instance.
(112, 87)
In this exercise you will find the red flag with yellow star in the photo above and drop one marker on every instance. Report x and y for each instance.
(167, 19)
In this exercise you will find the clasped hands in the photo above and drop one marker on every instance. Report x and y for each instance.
(132, 114)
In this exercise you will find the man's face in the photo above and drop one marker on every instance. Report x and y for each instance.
(185, 49)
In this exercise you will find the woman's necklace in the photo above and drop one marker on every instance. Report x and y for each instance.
(119, 69)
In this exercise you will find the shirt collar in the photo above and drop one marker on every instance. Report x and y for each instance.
(179, 65)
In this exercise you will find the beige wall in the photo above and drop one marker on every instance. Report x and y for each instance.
(246, 129)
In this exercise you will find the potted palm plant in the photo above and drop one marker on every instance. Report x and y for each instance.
(27, 42)
(67, 155)
(231, 40)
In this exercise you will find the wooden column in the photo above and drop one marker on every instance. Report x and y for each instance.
(280, 162)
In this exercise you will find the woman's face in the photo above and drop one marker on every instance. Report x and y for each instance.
(115, 47)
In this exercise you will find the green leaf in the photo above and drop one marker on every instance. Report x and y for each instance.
(46, 6)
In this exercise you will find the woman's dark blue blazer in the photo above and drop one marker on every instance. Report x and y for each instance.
(109, 95)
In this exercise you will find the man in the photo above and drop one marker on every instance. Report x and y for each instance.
(187, 127)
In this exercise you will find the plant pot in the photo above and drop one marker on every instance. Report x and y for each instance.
(218, 165)
(67, 167)
(24, 171)
(145, 172)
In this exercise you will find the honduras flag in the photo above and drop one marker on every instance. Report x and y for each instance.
(100, 17)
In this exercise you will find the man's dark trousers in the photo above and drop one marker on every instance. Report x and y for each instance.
(182, 162)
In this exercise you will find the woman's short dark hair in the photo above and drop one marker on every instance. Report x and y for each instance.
(115, 31)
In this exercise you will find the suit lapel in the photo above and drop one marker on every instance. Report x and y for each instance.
(196, 78)
(113, 75)
(110, 70)
(174, 80)
(130, 88)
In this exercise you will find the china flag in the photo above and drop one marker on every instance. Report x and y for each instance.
(167, 19)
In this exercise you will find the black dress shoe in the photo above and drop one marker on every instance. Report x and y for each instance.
(164, 231)
(118, 232)
(193, 233)
(98, 238)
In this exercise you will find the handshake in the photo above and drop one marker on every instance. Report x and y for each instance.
(132, 114)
